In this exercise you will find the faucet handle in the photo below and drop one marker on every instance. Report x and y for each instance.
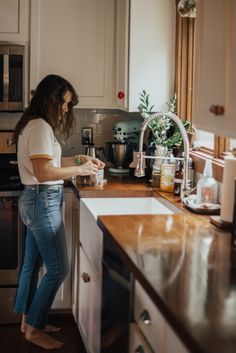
(140, 167)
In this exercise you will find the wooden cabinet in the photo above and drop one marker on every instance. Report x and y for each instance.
(145, 51)
(90, 281)
(215, 73)
(75, 41)
(14, 20)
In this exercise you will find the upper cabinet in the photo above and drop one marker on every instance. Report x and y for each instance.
(215, 71)
(145, 51)
(75, 40)
(14, 20)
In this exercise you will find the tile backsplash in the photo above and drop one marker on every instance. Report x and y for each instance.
(101, 121)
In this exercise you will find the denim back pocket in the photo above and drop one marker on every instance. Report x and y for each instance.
(27, 210)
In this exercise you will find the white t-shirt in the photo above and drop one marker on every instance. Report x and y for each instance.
(37, 141)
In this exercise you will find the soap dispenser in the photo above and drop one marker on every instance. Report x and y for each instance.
(207, 186)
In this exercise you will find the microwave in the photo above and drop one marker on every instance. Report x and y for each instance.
(12, 77)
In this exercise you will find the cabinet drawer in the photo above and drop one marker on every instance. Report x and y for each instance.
(91, 238)
(149, 319)
(137, 342)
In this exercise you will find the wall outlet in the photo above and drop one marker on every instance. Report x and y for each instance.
(87, 135)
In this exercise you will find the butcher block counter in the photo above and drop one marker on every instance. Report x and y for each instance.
(186, 265)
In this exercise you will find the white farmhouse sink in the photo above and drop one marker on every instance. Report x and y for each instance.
(127, 206)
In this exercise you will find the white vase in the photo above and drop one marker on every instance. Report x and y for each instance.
(160, 151)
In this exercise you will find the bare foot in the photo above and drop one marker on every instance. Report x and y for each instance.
(48, 328)
(41, 339)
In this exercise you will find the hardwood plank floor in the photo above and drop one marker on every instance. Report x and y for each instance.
(13, 341)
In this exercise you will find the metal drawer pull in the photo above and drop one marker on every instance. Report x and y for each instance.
(217, 109)
(85, 277)
(145, 317)
(139, 349)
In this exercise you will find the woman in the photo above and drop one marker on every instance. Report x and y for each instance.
(42, 171)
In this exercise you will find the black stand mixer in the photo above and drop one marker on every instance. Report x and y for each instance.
(120, 152)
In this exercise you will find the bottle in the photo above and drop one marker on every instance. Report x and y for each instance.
(190, 173)
(178, 178)
(167, 173)
(207, 186)
(156, 177)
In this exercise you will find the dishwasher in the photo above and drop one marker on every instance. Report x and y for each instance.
(117, 288)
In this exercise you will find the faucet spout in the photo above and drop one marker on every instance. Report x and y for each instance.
(139, 171)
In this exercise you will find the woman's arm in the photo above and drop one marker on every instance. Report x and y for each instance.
(45, 171)
(72, 161)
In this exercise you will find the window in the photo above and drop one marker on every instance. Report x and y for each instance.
(205, 139)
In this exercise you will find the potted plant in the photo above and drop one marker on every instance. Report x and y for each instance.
(164, 132)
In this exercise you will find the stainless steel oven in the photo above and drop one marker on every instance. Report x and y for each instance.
(12, 229)
(11, 249)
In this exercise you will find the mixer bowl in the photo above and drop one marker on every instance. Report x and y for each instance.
(120, 153)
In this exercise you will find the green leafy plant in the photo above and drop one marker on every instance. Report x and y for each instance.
(164, 131)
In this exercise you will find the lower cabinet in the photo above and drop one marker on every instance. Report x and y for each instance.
(152, 327)
(137, 343)
(63, 297)
(90, 288)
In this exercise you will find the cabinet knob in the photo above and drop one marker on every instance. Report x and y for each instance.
(139, 349)
(217, 109)
(145, 317)
(85, 277)
(120, 95)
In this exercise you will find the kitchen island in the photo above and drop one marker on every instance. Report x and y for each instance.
(186, 266)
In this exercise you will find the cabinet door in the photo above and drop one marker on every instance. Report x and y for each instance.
(149, 319)
(91, 237)
(75, 257)
(63, 297)
(75, 40)
(137, 343)
(89, 305)
(145, 51)
(215, 74)
(14, 20)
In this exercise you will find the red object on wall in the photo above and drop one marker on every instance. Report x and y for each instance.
(121, 95)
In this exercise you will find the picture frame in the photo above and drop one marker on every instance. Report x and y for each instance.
(87, 135)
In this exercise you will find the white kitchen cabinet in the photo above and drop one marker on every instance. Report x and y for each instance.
(152, 325)
(63, 297)
(90, 281)
(90, 288)
(215, 73)
(14, 20)
(75, 257)
(145, 51)
(137, 343)
(75, 40)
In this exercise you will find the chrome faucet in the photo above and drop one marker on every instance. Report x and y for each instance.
(140, 168)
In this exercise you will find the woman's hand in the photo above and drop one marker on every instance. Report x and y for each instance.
(88, 168)
(83, 159)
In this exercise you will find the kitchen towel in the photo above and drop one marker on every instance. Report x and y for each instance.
(227, 198)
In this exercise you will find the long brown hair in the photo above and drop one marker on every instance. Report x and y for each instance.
(47, 102)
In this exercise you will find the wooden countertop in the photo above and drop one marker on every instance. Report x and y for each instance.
(188, 268)
(186, 265)
(117, 185)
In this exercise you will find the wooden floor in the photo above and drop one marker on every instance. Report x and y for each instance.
(12, 340)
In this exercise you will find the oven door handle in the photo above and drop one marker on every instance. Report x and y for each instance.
(116, 277)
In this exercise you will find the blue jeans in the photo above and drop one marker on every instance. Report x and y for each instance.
(45, 243)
